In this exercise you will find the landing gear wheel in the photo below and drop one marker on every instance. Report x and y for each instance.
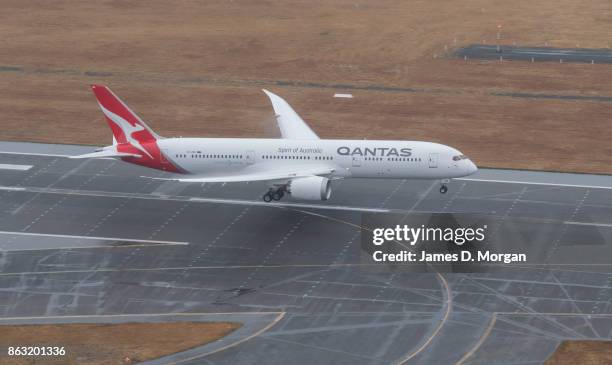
(277, 195)
(443, 189)
(267, 197)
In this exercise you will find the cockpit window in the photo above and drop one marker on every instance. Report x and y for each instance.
(459, 157)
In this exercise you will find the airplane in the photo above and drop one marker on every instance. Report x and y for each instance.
(299, 163)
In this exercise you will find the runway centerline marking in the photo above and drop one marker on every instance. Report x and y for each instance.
(93, 238)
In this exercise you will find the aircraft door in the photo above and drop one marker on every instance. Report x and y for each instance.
(356, 161)
(250, 157)
(433, 160)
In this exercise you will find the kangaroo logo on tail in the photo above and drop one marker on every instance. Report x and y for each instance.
(133, 140)
(127, 129)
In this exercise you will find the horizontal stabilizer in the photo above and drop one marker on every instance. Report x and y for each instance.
(106, 154)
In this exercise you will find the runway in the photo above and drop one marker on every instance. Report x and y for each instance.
(582, 55)
(94, 238)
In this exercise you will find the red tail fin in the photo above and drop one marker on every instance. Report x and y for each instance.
(127, 127)
(131, 134)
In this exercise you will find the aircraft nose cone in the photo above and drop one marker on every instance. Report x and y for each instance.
(471, 167)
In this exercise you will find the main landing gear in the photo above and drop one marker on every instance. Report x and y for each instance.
(275, 194)
(443, 187)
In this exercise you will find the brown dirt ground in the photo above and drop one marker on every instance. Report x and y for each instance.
(102, 344)
(195, 69)
(582, 352)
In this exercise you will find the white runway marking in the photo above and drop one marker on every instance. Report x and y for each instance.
(535, 183)
(101, 316)
(6, 166)
(289, 205)
(32, 154)
(93, 238)
(193, 199)
(12, 188)
(589, 224)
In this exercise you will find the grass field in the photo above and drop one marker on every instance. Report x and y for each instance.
(196, 69)
(582, 352)
(101, 344)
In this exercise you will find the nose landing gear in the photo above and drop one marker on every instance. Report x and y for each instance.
(443, 187)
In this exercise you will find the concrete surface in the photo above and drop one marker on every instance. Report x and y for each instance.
(303, 261)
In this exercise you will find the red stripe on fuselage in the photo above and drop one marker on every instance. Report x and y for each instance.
(158, 162)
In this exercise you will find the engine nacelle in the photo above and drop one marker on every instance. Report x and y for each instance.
(310, 188)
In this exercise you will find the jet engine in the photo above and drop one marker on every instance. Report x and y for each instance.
(310, 188)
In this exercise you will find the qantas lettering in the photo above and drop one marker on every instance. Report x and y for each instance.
(375, 151)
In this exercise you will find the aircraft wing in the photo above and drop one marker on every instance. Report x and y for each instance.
(106, 154)
(289, 122)
(255, 176)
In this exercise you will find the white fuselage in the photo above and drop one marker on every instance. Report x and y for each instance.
(299, 163)
(348, 158)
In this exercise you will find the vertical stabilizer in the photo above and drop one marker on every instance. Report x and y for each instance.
(127, 127)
